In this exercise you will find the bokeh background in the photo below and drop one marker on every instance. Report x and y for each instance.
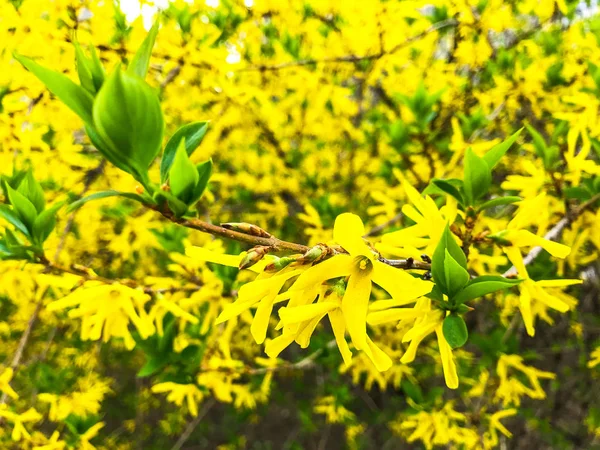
(316, 108)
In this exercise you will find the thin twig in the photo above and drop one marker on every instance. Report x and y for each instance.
(352, 58)
(555, 233)
(194, 423)
(375, 231)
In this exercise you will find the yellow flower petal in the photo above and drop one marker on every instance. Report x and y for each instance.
(448, 365)
(377, 356)
(403, 287)
(306, 312)
(334, 267)
(336, 318)
(348, 231)
(354, 307)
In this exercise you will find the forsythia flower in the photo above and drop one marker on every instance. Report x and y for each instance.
(511, 388)
(425, 234)
(533, 290)
(417, 323)
(19, 432)
(362, 268)
(5, 378)
(595, 358)
(180, 392)
(106, 311)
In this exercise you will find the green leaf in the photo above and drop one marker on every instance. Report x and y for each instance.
(456, 276)
(44, 223)
(183, 175)
(455, 331)
(478, 177)
(193, 133)
(84, 70)
(204, 172)
(75, 97)
(153, 365)
(104, 194)
(12, 217)
(96, 68)
(484, 285)
(141, 60)
(22, 206)
(449, 189)
(177, 206)
(33, 191)
(500, 201)
(448, 243)
(129, 121)
(499, 150)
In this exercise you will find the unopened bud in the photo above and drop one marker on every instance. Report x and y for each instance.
(139, 189)
(246, 228)
(165, 187)
(280, 263)
(316, 254)
(253, 256)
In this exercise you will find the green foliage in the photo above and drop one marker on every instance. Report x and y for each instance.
(455, 330)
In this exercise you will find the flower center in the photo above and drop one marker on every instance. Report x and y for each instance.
(363, 264)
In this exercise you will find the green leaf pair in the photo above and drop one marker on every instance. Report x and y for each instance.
(449, 270)
(27, 211)
(187, 181)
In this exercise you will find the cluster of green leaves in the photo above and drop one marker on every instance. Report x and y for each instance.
(471, 191)
(454, 287)
(124, 121)
(28, 213)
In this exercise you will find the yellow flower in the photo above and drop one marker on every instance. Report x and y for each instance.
(425, 234)
(511, 388)
(418, 322)
(533, 290)
(53, 443)
(106, 311)
(490, 437)
(180, 392)
(92, 432)
(594, 358)
(5, 378)
(362, 268)
(19, 431)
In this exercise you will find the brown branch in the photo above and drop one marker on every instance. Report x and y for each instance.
(353, 58)
(193, 424)
(377, 230)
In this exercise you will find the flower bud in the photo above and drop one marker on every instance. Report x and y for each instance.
(253, 256)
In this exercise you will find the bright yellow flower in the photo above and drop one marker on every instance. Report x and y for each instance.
(19, 431)
(180, 392)
(533, 290)
(106, 311)
(5, 387)
(511, 388)
(594, 358)
(362, 268)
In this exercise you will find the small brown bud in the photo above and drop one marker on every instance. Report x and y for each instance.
(139, 189)
(253, 256)
(246, 228)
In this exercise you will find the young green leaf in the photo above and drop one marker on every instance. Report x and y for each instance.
(484, 285)
(193, 133)
(456, 276)
(32, 190)
(104, 194)
(22, 206)
(183, 176)
(499, 150)
(141, 60)
(12, 217)
(96, 69)
(153, 365)
(204, 172)
(129, 121)
(84, 70)
(500, 201)
(455, 331)
(44, 224)
(449, 189)
(75, 97)
(448, 243)
(478, 177)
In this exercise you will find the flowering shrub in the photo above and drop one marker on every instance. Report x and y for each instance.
(376, 221)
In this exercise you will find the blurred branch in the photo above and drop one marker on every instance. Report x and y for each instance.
(555, 232)
(353, 58)
(194, 423)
